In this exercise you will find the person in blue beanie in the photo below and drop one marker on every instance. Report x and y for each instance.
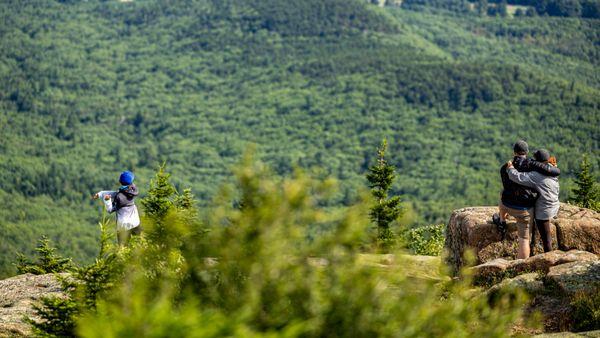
(122, 202)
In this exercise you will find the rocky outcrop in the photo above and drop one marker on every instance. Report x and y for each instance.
(16, 297)
(576, 277)
(554, 280)
(500, 268)
(529, 282)
(473, 229)
(578, 228)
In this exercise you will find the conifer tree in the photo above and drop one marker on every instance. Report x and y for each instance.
(587, 194)
(47, 260)
(56, 317)
(186, 206)
(157, 205)
(186, 200)
(160, 195)
(162, 204)
(386, 210)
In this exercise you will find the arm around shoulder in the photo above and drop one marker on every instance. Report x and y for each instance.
(520, 178)
(544, 168)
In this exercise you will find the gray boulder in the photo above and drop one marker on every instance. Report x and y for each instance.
(575, 277)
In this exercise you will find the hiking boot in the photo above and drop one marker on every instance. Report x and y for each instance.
(500, 226)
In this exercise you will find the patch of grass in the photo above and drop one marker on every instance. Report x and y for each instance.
(420, 267)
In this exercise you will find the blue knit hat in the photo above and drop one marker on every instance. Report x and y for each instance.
(126, 178)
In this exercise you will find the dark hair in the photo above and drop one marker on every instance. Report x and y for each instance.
(521, 147)
(541, 155)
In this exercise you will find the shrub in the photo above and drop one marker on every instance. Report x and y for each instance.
(426, 240)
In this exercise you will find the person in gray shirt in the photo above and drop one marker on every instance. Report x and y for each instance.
(547, 204)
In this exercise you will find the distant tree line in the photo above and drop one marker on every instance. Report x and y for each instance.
(565, 8)
(562, 8)
(461, 6)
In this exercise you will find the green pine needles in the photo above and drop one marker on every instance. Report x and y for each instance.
(587, 193)
(56, 317)
(386, 210)
(160, 195)
(47, 260)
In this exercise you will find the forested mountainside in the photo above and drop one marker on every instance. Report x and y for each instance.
(91, 88)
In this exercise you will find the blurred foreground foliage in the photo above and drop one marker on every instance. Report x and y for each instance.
(247, 269)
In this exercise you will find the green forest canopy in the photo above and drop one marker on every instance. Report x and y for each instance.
(90, 88)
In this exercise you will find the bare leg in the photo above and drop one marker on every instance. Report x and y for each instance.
(523, 248)
(524, 220)
(502, 212)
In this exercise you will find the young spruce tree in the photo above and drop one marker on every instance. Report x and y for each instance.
(587, 194)
(159, 200)
(386, 210)
(47, 260)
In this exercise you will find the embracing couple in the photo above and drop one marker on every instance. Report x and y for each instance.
(530, 195)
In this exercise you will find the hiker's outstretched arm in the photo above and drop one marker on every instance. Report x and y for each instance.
(107, 197)
(103, 193)
(519, 177)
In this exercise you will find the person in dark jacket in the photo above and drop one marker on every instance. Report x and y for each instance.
(122, 202)
(517, 200)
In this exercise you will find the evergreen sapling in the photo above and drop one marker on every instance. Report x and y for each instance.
(587, 194)
(386, 210)
(160, 196)
(47, 260)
